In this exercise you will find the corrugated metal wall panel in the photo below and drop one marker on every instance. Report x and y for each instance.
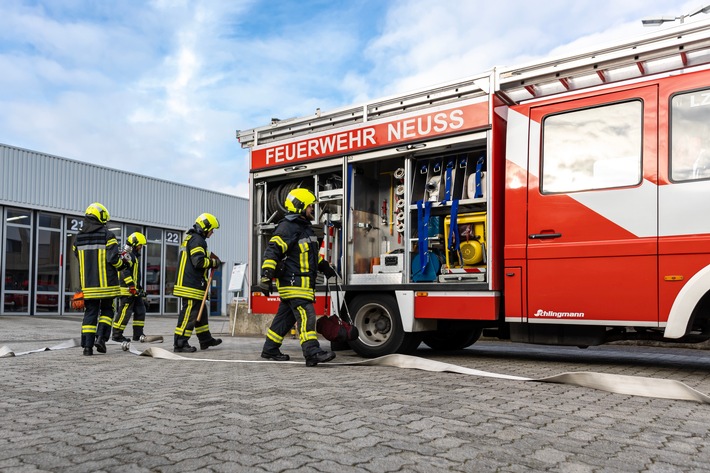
(42, 181)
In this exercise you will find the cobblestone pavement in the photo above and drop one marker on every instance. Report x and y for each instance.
(65, 412)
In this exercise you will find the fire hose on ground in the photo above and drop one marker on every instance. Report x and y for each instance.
(613, 383)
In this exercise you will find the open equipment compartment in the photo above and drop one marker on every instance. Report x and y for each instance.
(271, 189)
(449, 186)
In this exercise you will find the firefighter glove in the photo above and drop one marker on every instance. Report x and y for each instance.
(126, 258)
(266, 286)
(132, 290)
(216, 262)
(329, 271)
(267, 273)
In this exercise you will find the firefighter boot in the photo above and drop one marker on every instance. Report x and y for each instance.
(87, 340)
(212, 342)
(88, 351)
(275, 355)
(319, 357)
(271, 351)
(118, 336)
(100, 345)
(137, 334)
(181, 345)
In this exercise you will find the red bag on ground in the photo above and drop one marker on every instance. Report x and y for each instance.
(334, 329)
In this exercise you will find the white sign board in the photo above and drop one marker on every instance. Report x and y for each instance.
(236, 282)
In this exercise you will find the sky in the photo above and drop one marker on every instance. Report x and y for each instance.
(160, 87)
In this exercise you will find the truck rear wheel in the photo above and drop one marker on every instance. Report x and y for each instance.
(451, 340)
(377, 319)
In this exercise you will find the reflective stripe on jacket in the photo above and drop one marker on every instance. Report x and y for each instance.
(194, 266)
(132, 276)
(294, 240)
(96, 248)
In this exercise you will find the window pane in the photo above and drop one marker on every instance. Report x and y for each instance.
(153, 305)
(117, 230)
(17, 268)
(48, 250)
(47, 280)
(154, 234)
(49, 220)
(171, 264)
(72, 281)
(690, 136)
(593, 148)
(171, 305)
(16, 303)
(130, 229)
(19, 217)
(153, 275)
(17, 257)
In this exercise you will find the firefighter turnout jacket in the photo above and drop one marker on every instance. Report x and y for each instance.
(194, 266)
(295, 245)
(96, 248)
(132, 277)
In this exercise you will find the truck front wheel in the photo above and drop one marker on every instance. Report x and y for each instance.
(377, 319)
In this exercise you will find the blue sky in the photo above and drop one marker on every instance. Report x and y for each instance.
(159, 87)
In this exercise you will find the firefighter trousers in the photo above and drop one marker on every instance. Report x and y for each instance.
(300, 312)
(130, 306)
(187, 322)
(98, 319)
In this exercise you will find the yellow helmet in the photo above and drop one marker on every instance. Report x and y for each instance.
(298, 199)
(207, 222)
(98, 211)
(135, 239)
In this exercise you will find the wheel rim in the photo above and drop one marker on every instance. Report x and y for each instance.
(374, 323)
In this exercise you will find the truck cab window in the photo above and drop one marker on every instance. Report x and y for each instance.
(690, 136)
(592, 148)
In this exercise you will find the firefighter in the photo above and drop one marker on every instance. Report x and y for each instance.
(99, 257)
(294, 249)
(132, 293)
(195, 263)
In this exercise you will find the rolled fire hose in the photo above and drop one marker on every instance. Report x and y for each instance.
(613, 383)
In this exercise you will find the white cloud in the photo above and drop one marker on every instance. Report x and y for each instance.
(423, 46)
(159, 88)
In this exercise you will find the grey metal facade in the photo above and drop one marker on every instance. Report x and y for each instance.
(42, 182)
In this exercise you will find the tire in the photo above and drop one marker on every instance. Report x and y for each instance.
(378, 321)
(451, 340)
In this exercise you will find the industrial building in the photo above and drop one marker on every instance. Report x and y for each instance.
(42, 203)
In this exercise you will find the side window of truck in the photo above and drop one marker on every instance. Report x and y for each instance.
(592, 148)
(690, 136)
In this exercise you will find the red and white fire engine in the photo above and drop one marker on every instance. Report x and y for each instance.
(565, 202)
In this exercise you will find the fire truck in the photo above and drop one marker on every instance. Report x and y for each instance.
(565, 202)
